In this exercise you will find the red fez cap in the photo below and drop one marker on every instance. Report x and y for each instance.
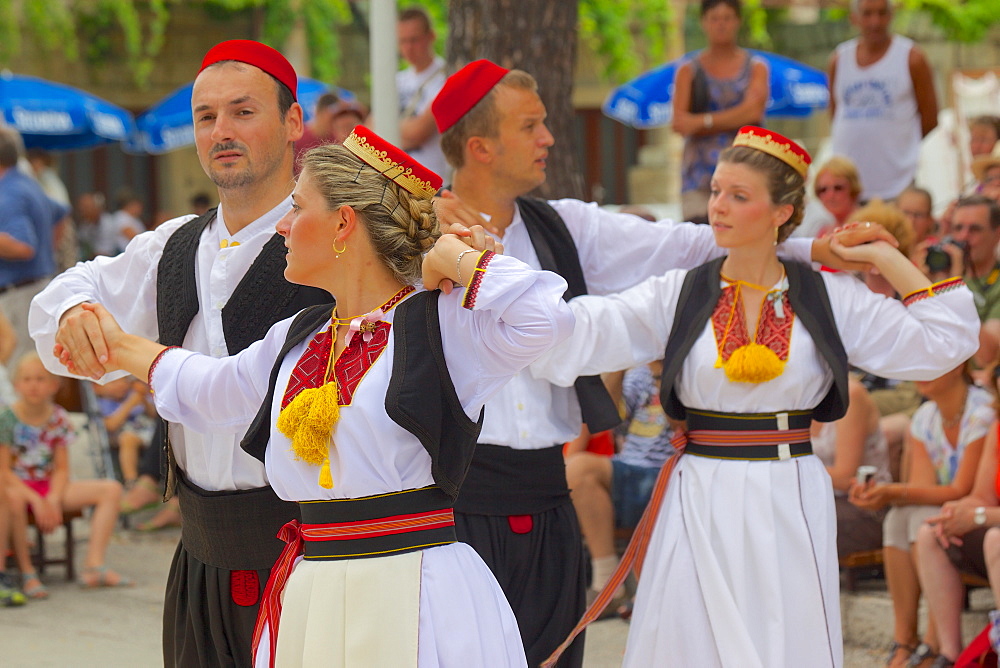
(772, 143)
(463, 90)
(392, 163)
(259, 55)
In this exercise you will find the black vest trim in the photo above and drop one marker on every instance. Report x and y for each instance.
(421, 397)
(699, 295)
(557, 252)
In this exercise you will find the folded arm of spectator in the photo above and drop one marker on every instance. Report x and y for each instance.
(956, 517)
(750, 110)
(13, 250)
(416, 130)
(922, 488)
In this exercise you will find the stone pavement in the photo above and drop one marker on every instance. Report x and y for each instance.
(109, 628)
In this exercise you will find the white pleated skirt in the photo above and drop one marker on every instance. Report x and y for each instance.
(437, 607)
(741, 570)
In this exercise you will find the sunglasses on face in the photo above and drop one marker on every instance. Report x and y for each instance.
(837, 188)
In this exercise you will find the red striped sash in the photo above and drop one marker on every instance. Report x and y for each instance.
(296, 534)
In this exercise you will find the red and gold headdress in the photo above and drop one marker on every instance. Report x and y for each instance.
(772, 143)
(392, 163)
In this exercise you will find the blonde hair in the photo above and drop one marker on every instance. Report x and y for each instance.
(483, 120)
(891, 218)
(784, 184)
(401, 226)
(843, 168)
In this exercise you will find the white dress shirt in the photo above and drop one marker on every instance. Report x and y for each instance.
(126, 286)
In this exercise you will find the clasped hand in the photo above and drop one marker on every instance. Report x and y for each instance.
(86, 341)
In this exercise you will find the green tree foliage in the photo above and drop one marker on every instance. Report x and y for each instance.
(628, 35)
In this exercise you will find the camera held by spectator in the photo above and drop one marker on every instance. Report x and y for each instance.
(939, 260)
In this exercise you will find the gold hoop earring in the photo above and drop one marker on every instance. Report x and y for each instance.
(339, 252)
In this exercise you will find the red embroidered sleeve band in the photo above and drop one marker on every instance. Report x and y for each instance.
(477, 278)
(934, 289)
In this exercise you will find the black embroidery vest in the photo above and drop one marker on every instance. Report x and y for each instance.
(421, 397)
(699, 295)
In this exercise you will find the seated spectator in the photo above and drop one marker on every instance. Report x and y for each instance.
(129, 418)
(984, 133)
(843, 446)
(838, 187)
(127, 221)
(612, 492)
(10, 592)
(976, 229)
(896, 223)
(200, 203)
(94, 226)
(986, 169)
(963, 538)
(943, 449)
(34, 461)
(145, 493)
(917, 205)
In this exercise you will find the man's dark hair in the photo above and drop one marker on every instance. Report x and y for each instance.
(416, 14)
(707, 5)
(982, 200)
(10, 147)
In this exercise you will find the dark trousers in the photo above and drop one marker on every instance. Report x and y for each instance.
(541, 572)
(202, 625)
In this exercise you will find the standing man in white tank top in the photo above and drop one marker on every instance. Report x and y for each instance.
(882, 101)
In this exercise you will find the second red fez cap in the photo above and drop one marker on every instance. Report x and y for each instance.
(463, 90)
(259, 55)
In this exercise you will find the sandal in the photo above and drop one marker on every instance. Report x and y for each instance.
(169, 516)
(920, 654)
(33, 587)
(142, 484)
(896, 647)
(103, 577)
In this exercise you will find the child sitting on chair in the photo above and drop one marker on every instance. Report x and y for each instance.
(129, 418)
(34, 463)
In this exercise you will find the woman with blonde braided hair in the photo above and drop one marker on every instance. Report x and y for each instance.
(367, 413)
(739, 539)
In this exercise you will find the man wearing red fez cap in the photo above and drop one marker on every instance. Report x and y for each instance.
(515, 507)
(215, 284)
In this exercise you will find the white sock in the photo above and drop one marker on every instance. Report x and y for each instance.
(603, 569)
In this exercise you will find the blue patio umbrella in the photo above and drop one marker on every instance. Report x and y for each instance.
(58, 117)
(167, 125)
(645, 102)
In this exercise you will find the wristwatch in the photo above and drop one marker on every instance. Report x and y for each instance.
(979, 516)
(707, 120)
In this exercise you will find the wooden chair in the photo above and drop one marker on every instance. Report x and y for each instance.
(853, 563)
(41, 557)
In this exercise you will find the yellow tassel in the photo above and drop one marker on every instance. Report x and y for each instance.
(753, 363)
(308, 421)
(325, 477)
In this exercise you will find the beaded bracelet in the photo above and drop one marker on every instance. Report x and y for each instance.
(458, 265)
(156, 360)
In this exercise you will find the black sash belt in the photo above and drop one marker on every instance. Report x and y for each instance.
(749, 436)
(376, 526)
(503, 481)
(233, 530)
